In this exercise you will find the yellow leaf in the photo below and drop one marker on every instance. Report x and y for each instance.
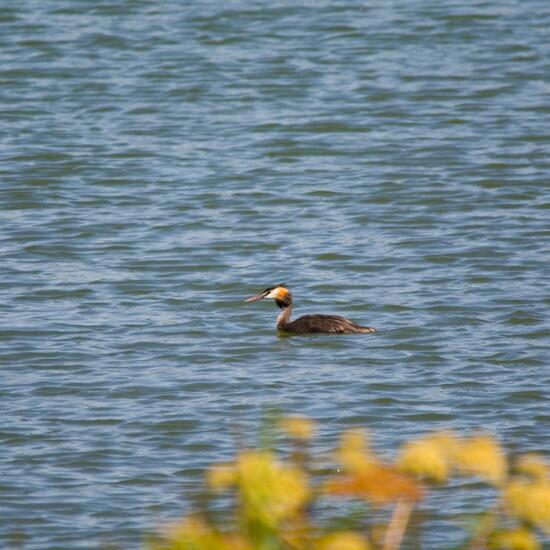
(298, 427)
(516, 539)
(530, 501)
(221, 477)
(534, 466)
(194, 533)
(343, 540)
(425, 458)
(270, 491)
(481, 456)
(354, 452)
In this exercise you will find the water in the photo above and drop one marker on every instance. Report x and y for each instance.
(160, 162)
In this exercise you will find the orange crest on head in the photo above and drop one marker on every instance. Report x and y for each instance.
(282, 292)
(282, 296)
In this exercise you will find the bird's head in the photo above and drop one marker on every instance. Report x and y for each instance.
(279, 293)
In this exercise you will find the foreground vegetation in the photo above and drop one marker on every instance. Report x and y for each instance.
(358, 501)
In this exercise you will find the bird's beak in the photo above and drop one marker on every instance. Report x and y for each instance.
(255, 298)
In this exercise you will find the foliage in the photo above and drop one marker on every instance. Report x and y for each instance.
(275, 500)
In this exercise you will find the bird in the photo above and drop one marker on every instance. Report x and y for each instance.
(307, 324)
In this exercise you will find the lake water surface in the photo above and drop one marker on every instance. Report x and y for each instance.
(161, 161)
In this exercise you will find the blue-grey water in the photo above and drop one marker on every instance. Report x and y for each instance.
(161, 161)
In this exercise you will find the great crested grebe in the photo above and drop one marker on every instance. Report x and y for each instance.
(332, 324)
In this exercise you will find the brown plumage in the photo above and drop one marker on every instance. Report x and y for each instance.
(308, 324)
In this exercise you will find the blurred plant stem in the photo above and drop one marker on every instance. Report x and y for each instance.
(398, 525)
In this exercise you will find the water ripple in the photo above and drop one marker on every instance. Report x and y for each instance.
(159, 164)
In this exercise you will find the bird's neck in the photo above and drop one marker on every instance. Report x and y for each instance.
(284, 317)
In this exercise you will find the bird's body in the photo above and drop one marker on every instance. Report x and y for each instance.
(330, 324)
(307, 324)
